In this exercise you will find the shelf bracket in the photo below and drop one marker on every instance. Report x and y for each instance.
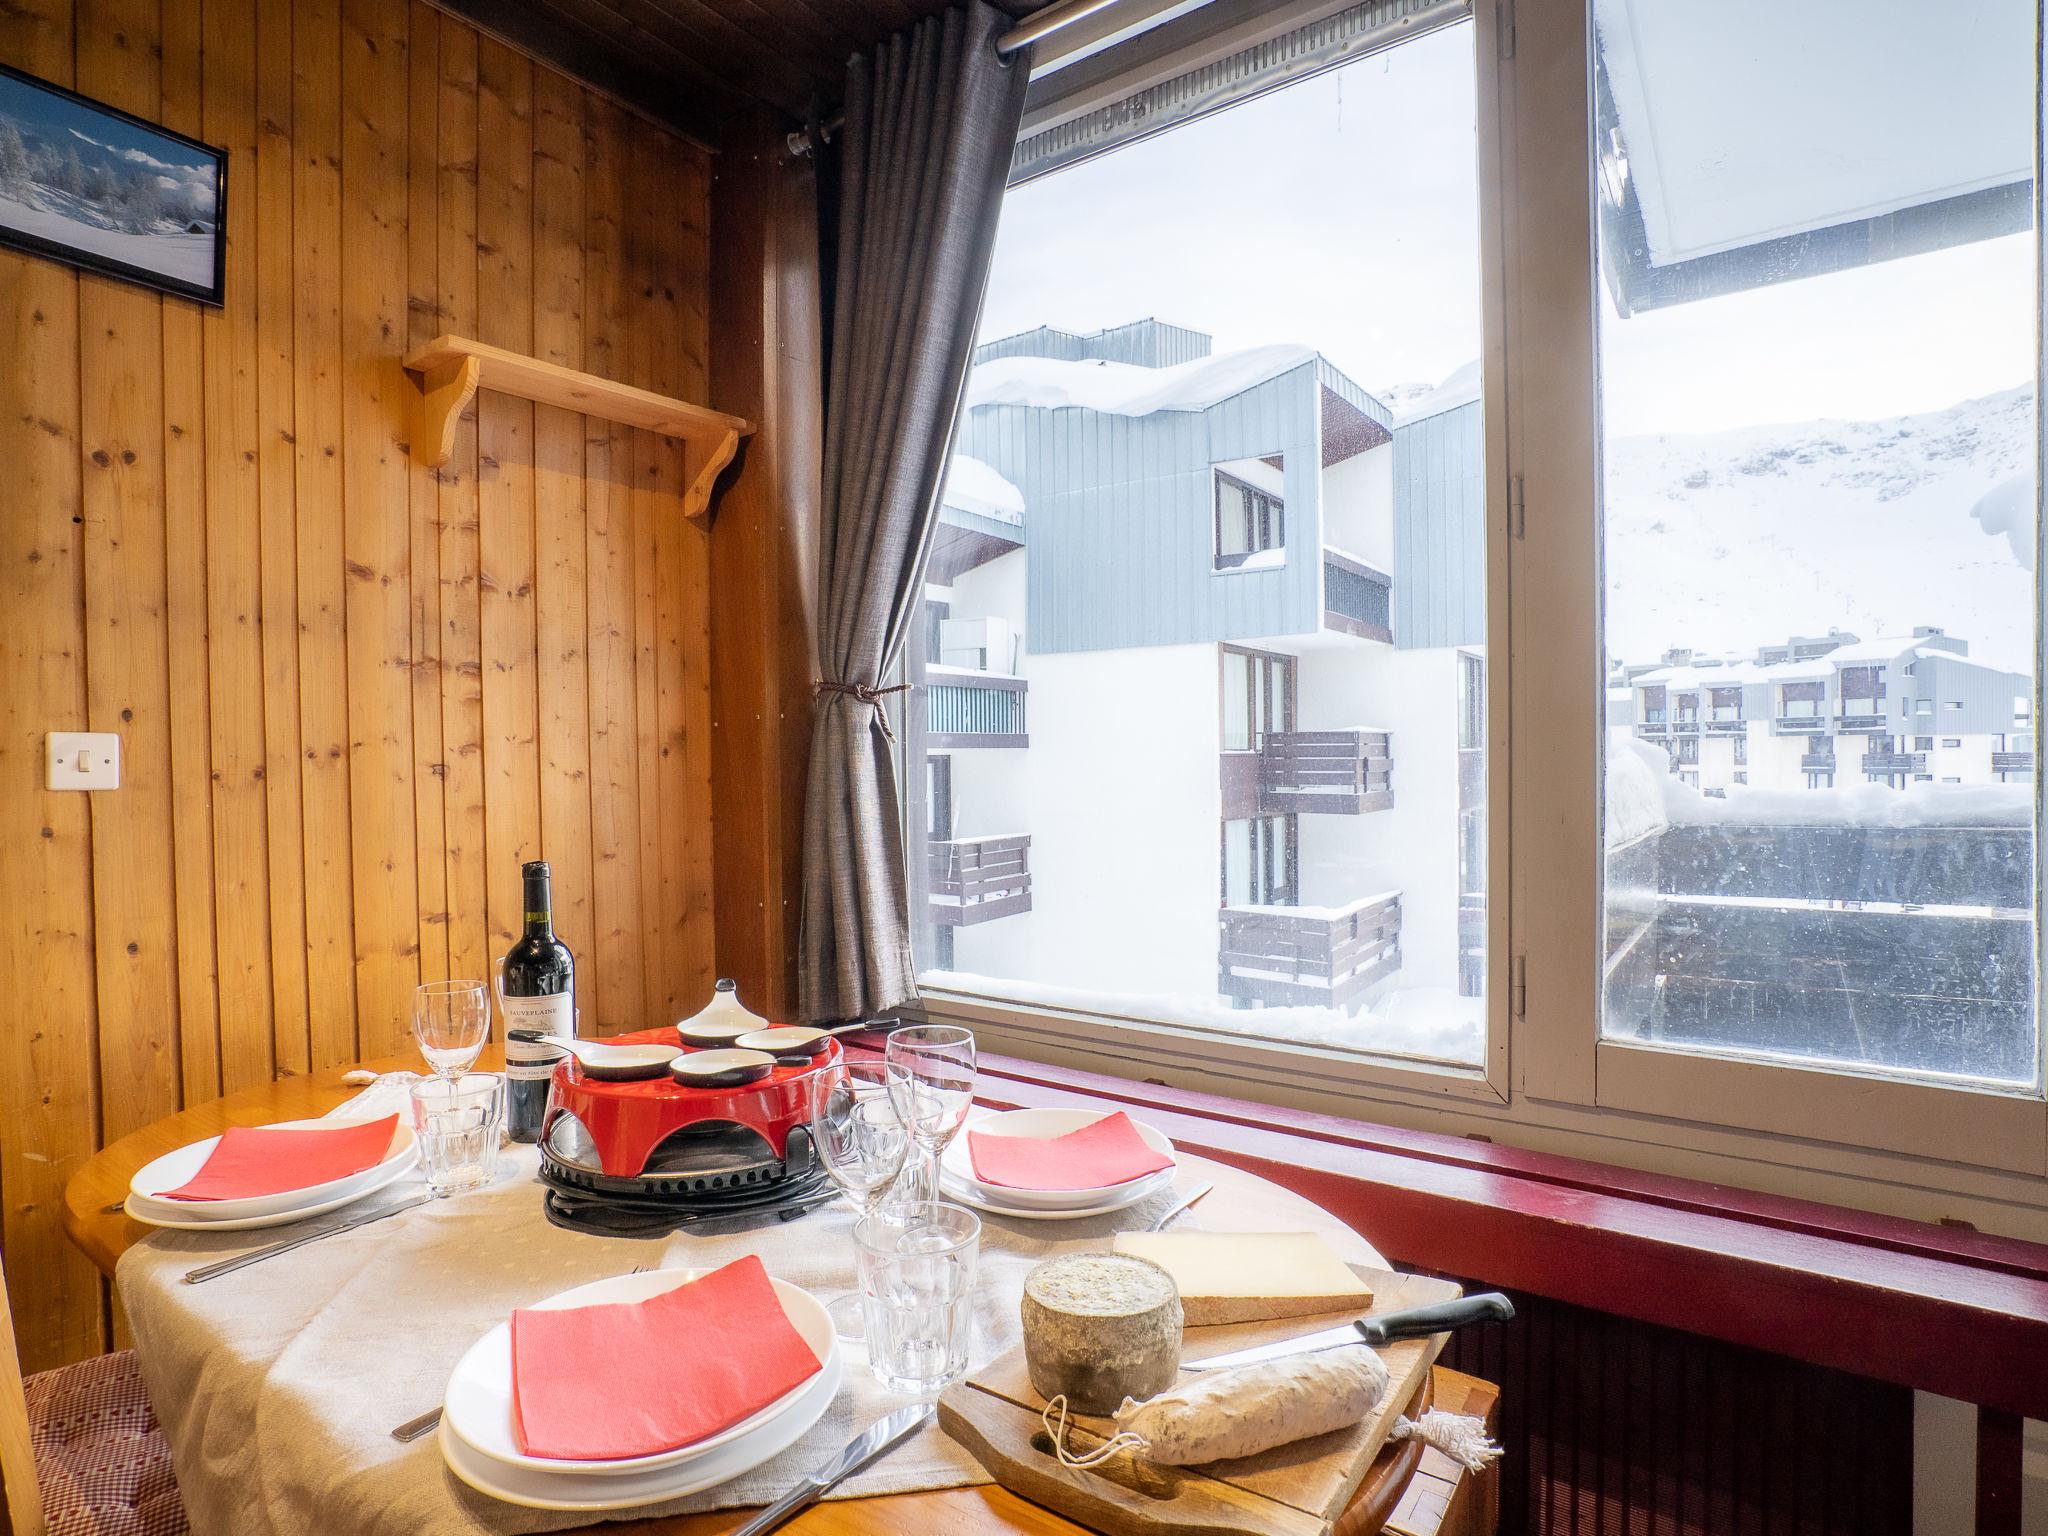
(448, 387)
(697, 498)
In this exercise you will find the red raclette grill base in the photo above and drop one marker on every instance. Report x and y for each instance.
(658, 1137)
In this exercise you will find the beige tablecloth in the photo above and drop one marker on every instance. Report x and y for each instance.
(278, 1385)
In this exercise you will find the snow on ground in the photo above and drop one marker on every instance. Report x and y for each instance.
(974, 486)
(1431, 1022)
(168, 250)
(1730, 540)
(1644, 796)
(1124, 389)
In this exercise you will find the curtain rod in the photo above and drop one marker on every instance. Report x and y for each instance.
(1041, 23)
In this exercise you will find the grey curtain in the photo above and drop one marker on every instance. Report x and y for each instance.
(931, 119)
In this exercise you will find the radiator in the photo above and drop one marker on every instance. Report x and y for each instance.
(1619, 1428)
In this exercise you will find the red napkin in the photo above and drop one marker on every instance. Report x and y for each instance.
(269, 1159)
(1110, 1151)
(634, 1378)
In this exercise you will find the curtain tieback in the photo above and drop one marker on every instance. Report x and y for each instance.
(867, 694)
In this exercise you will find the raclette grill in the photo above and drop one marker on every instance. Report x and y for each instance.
(655, 1156)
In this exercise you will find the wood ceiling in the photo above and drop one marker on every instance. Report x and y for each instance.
(692, 63)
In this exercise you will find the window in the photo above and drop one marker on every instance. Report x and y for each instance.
(1755, 363)
(1736, 231)
(1247, 789)
(1258, 696)
(1251, 518)
(1260, 861)
(1951, 741)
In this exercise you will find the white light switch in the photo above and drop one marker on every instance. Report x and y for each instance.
(84, 760)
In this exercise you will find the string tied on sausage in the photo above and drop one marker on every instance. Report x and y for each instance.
(1122, 1440)
(1459, 1436)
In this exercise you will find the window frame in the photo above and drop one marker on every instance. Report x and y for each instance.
(1548, 1078)
(1262, 511)
(1553, 399)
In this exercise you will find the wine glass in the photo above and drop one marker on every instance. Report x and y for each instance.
(862, 1144)
(451, 1020)
(931, 1080)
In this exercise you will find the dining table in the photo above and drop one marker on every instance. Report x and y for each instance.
(1429, 1492)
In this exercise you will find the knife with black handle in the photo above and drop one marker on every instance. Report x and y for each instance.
(878, 1438)
(1387, 1328)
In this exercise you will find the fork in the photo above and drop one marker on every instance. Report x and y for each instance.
(414, 1429)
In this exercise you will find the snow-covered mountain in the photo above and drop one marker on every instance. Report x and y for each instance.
(1729, 540)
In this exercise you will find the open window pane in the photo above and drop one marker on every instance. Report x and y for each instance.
(1817, 364)
(1229, 770)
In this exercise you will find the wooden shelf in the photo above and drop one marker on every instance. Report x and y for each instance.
(453, 368)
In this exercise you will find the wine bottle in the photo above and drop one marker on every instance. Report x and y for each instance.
(539, 997)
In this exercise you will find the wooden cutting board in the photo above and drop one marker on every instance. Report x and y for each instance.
(1292, 1490)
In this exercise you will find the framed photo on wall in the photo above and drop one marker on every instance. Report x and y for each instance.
(84, 183)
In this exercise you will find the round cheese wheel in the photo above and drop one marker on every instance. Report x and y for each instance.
(1100, 1327)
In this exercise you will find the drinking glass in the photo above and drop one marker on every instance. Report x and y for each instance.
(916, 1267)
(460, 1124)
(862, 1144)
(931, 1080)
(451, 1020)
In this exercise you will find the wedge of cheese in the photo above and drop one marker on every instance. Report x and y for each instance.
(1241, 1277)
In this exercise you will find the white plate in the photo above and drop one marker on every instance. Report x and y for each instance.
(175, 1169)
(1043, 1124)
(630, 1490)
(1132, 1193)
(386, 1173)
(477, 1408)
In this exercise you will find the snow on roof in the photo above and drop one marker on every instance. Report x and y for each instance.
(1124, 389)
(1850, 112)
(1884, 648)
(1460, 387)
(974, 486)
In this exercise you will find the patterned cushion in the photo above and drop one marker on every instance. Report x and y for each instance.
(102, 1463)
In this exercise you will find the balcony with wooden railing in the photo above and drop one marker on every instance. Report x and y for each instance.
(1884, 765)
(1314, 957)
(967, 708)
(1817, 762)
(1796, 724)
(1358, 599)
(1337, 773)
(979, 879)
(2012, 762)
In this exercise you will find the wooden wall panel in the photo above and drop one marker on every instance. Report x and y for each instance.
(185, 615)
(120, 375)
(49, 1070)
(609, 588)
(323, 594)
(352, 692)
(234, 586)
(511, 731)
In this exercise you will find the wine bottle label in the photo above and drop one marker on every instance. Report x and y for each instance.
(526, 1060)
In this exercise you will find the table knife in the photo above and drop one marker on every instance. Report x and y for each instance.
(1414, 1323)
(865, 1447)
(229, 1266)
